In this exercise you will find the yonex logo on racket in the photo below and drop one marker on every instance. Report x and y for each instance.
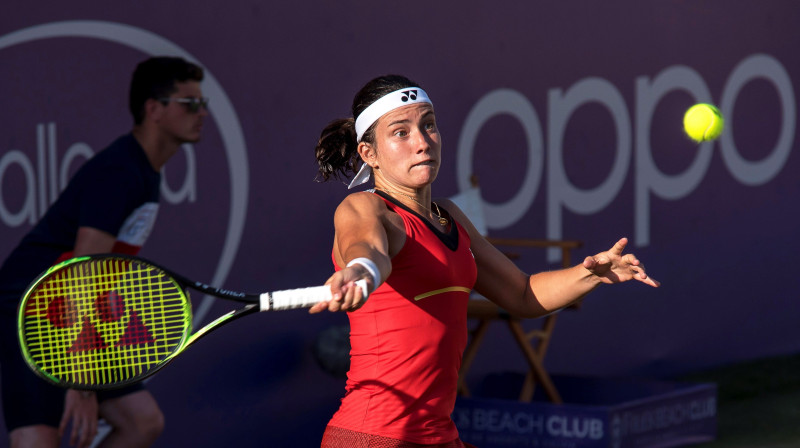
(104, 319)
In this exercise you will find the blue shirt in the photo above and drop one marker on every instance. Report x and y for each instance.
(116, 191)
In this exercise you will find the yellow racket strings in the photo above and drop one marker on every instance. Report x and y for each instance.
(104, 322)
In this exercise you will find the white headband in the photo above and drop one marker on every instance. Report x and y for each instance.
(384, 105)
(388, 103)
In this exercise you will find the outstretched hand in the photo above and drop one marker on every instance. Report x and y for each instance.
(614, 267)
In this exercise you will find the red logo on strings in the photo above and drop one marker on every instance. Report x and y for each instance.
(109, 307)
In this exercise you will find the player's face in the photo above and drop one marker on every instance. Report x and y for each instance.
(408, 146)
(178, 121)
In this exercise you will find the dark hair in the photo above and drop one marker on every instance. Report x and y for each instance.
(337, 148)
(155, 78)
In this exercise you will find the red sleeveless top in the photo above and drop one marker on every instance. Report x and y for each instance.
(407, 340)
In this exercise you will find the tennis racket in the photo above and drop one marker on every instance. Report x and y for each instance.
(105, 321)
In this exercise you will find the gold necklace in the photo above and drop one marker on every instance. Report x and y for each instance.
(438, 213)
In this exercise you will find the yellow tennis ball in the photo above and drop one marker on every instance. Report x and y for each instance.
(703, 122)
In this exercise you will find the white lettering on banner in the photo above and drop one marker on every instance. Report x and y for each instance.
(515, 104)
(560, 192)
(575, 427)
(44, 181)
(497, 421)
(759, 172)
(525, 423)
(187, 191)
(47, 177)
(493, 420)
(28, 211)
(648, 179)
(616, 431)
(664, 417)
(461, 418)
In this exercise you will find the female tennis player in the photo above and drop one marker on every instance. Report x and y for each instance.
(421, 258)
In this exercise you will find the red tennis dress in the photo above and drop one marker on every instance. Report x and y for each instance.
(408, 339)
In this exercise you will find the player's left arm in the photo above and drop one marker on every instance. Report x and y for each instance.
(501, 281)
(499, 278)
(554, 290)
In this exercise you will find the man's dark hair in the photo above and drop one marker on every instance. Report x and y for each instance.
(155, 78)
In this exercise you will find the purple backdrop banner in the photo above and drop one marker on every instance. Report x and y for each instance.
(570, 114)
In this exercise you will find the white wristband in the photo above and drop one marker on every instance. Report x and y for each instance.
(370, 266)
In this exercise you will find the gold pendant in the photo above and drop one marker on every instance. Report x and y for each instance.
(443, 221)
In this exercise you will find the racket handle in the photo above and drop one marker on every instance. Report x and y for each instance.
(301, 297)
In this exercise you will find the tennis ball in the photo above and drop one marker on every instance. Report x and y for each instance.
(703, 122)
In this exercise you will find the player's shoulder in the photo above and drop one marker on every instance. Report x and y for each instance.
(360, 203)
(362, 197)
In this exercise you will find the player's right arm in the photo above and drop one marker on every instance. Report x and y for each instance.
(360, 224)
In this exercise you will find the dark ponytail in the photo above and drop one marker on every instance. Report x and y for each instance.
(337, 148)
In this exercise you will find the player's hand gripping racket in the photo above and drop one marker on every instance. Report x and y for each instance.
(104, 321)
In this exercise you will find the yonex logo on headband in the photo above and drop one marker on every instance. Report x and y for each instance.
(387, 103)
(409, 94)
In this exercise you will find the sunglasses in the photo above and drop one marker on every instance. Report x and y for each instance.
(192, 104)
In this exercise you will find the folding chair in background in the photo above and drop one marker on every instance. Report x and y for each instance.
(532, 343)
